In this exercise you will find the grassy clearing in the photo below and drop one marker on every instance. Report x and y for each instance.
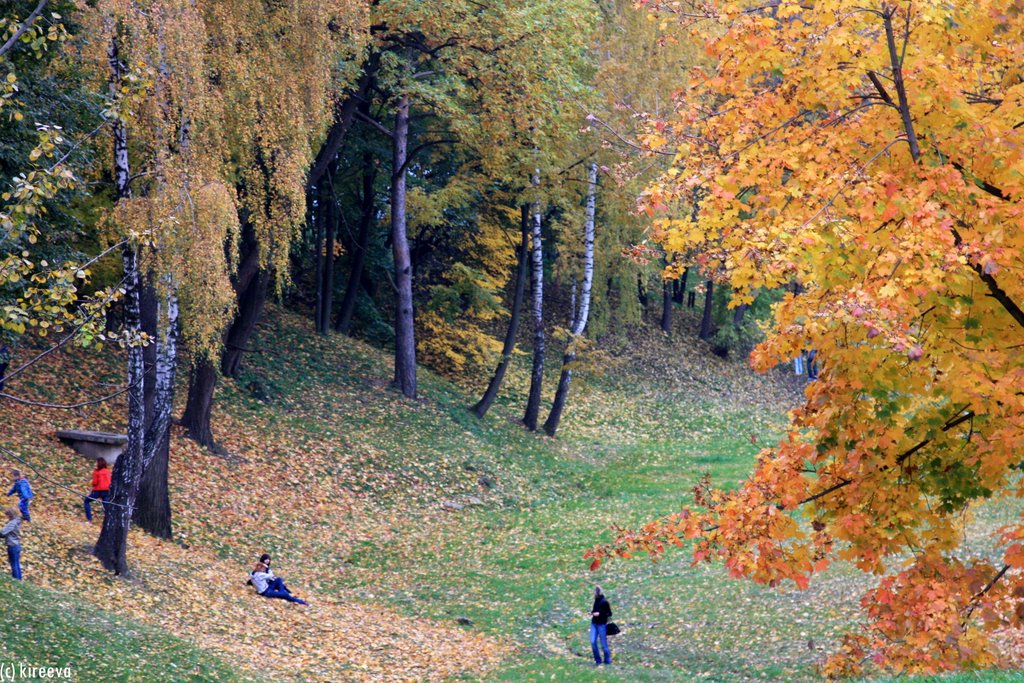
(518, 571)
(353, 489)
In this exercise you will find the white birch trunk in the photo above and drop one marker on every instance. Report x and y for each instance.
(579, 324)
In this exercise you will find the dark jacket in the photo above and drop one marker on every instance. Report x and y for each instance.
(603, 609)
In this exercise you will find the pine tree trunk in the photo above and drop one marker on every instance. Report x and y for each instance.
(405, 335)
(706, 327)
(509, 345)
(580, 323)
(537, 285)
(366, 220)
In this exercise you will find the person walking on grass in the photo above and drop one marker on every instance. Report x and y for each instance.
(269, 586)
(599, 615)
(100, 487)
(24, 492)
(12, 536)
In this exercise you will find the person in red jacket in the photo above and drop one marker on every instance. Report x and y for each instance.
(100, 487)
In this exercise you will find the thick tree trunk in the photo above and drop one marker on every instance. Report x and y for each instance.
(537, 285)
(366, 220)
(405, 335)
(153, 507)
(250, 305)
(156, 518)
(203, 378)
(580, 323)
(196, 419)
(706, 327)
(666, 306)
(112, 544)
(509, 345)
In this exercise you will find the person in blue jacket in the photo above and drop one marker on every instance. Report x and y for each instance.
(24, 491)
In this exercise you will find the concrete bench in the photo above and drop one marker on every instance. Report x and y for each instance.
(94, 445)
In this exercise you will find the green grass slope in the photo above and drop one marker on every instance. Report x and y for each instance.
(49, 629)
(437, 545)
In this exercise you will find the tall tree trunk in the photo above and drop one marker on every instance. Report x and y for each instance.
(580, 323)
(738, 313)
(332, 214)
(156, 518)
(203, 378)
(111, 546)
(682, 285)
(706, 327)
(153, 508)
(366, 220)
(537, 286)
(484, 404)
(405, 335)
(666, 306)
(250, 305)
(202, 382)
(319, 219)
(641, 290)
(344, 116)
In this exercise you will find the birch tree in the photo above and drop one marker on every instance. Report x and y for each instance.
(579, 324)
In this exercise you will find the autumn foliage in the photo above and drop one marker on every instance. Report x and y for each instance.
(869, 160)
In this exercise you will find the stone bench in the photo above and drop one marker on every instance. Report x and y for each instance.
(94, 445)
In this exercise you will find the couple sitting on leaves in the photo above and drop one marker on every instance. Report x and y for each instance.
(269, 586)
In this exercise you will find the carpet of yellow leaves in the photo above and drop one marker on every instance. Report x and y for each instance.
(282, 496)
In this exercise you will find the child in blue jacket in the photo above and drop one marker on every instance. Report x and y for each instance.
(24, 491)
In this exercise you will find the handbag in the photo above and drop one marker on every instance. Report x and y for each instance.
(613, 630)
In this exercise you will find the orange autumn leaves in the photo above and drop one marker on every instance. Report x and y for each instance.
(870, 161)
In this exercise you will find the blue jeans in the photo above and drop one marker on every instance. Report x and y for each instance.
(95, 495)
(277, 589)
(14, 557)
(23, 506)
(600, 632)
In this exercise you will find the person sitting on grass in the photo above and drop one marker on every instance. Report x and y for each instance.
(12, 535)
(268, 585)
